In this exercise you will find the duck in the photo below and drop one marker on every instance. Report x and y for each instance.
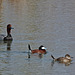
(40, 50)
(8, 37)
(66, 59)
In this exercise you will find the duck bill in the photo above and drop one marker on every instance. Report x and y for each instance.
(12, 28)
(45, 48)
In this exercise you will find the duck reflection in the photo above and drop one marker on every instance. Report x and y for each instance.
(6, 55)
(8, 45)
(38, 55)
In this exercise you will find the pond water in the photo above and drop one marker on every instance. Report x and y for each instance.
(37, 22)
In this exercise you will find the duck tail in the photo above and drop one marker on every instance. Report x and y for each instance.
(29, 50)
(52, 56)
(29, 47)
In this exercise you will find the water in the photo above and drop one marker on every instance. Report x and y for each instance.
(37, 22)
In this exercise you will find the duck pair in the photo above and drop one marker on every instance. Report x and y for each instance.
(42, 50)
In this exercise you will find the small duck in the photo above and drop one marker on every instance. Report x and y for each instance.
(66, 59)
(41, 50)
(8, 37)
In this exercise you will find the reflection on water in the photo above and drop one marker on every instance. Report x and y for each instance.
(47, 22)
(37, 55)
(5, 57)
(8, 45)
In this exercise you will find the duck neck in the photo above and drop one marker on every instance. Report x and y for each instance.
(8, 32)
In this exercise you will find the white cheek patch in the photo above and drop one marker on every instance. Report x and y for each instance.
(68, 57)
(43, 48)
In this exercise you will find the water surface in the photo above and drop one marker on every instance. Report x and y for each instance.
(37, 22)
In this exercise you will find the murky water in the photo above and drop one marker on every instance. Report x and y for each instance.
(37, 22)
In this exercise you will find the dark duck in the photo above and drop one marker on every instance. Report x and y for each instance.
(8, 37)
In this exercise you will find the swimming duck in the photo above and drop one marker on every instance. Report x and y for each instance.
(8, 37)
(41, 50)
(65, 59)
